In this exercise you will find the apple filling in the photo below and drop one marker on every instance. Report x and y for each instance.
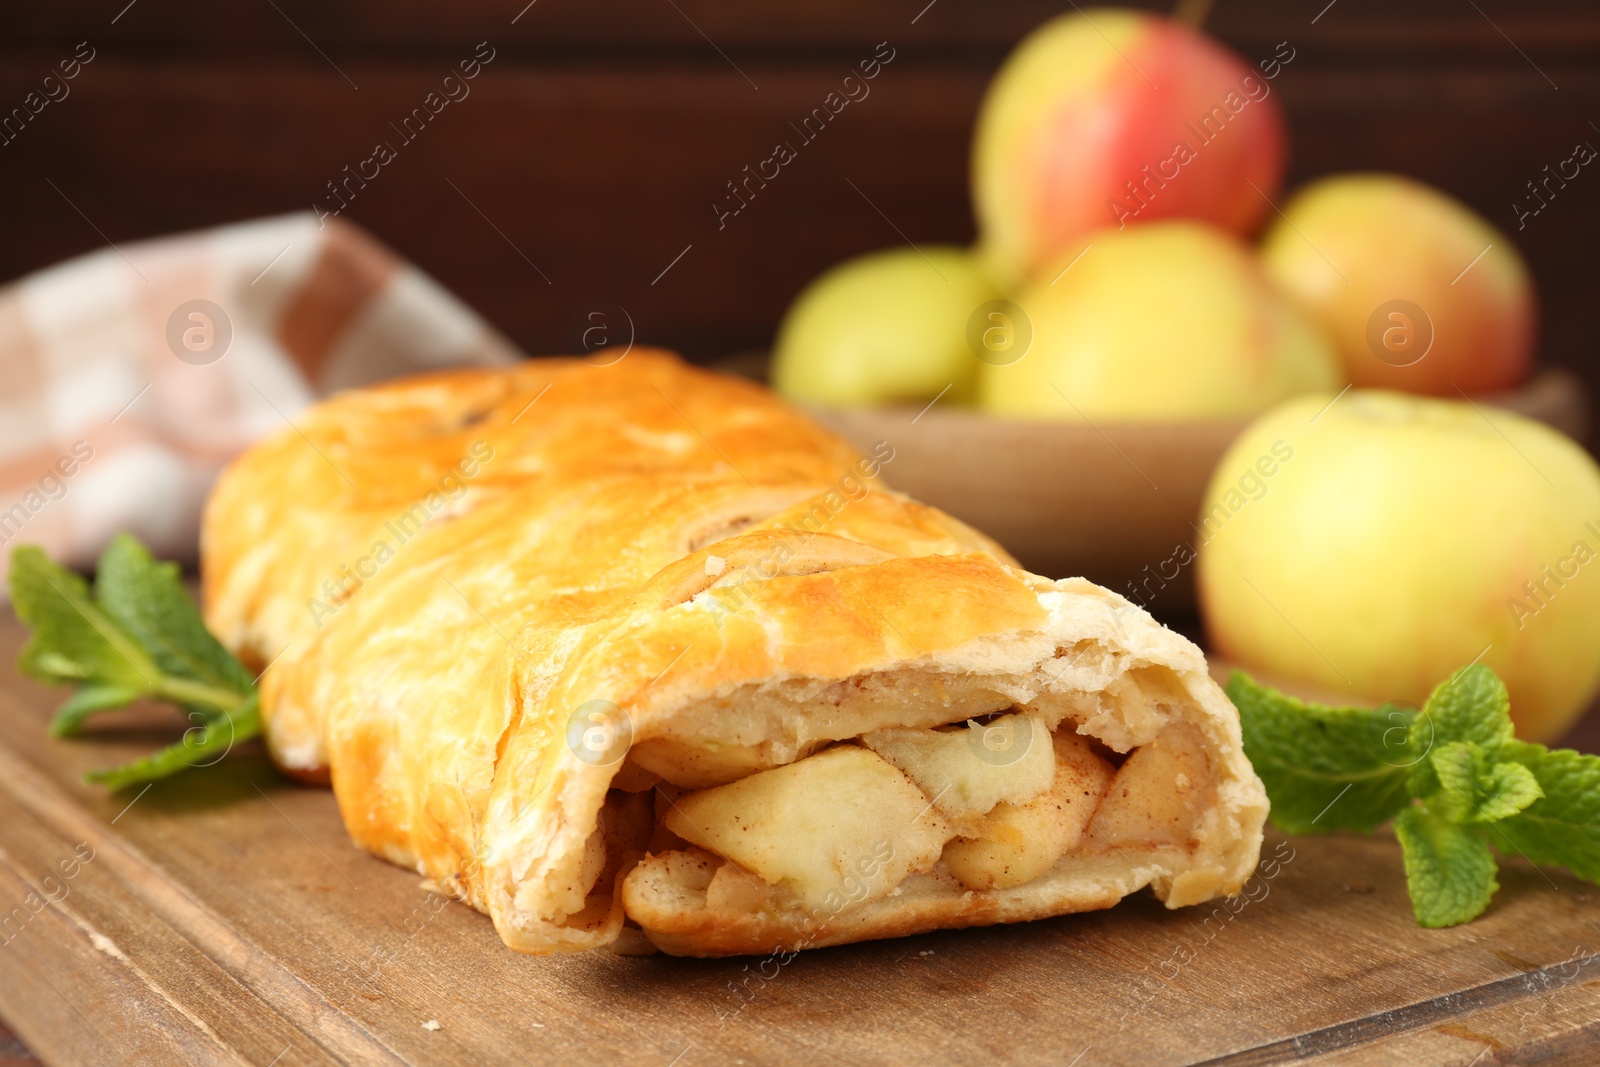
(980, 806)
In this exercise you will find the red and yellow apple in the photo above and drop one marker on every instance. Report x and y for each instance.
(1416, 291)
(1171, 320)
(1108, 117)
(882, 327)
(1374, 546)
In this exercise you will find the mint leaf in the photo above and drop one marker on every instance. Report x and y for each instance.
(1325, 768)
(201, 746)
(1449, 870)
(1474, 788)
(70, 716)
(1563, 827)
(1511, 788)
(1471, 705)
(140, 637)
(148, 600)
(1453, 776)
(73, 640)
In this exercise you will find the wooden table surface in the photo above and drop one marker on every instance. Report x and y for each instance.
(223, 917)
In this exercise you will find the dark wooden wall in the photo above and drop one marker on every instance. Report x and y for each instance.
(600, 135)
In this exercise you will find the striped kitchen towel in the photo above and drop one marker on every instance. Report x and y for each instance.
(129, 376)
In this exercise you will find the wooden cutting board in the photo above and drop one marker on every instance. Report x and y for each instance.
(224, 917)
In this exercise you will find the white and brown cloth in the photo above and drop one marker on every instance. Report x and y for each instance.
(129, 376)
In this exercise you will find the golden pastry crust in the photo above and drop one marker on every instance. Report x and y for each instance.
(737, 585)
(291, 520)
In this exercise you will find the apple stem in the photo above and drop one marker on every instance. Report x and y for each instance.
(1192, 12)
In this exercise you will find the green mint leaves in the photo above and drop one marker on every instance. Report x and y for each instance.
(1452, 777)
(1563, 827)
(137, 635)
(1325, 768)
(1475, 788)
(1449, 868)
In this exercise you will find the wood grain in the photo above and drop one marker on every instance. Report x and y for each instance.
(1423, 31)
(225, 918)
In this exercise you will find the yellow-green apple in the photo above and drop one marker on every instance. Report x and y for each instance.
(1171, 320)
(1416, 291)
(1373, 546)
(885, 326)
(1110, 117)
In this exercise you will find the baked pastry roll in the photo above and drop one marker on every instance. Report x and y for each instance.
(637, 655)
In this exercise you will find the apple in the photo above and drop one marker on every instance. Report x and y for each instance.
(1170, 320)
(1109, 117)
(882, 327)
(1376, 546)
(1415, 290)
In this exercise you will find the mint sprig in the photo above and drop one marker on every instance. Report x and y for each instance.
(1326, 768)
(1562, 828)
(1452, 776)
(137, 635)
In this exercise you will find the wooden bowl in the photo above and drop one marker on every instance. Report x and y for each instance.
(1102, 501)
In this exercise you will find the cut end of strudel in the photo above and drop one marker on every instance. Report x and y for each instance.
(677, 669)
(1066, 754)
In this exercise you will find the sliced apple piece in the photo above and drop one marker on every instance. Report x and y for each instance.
(1082, 778)
(1159, 793)
(700, 765)
(1018, 842)
(734, 889)
(838, 828)
(970, 769)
